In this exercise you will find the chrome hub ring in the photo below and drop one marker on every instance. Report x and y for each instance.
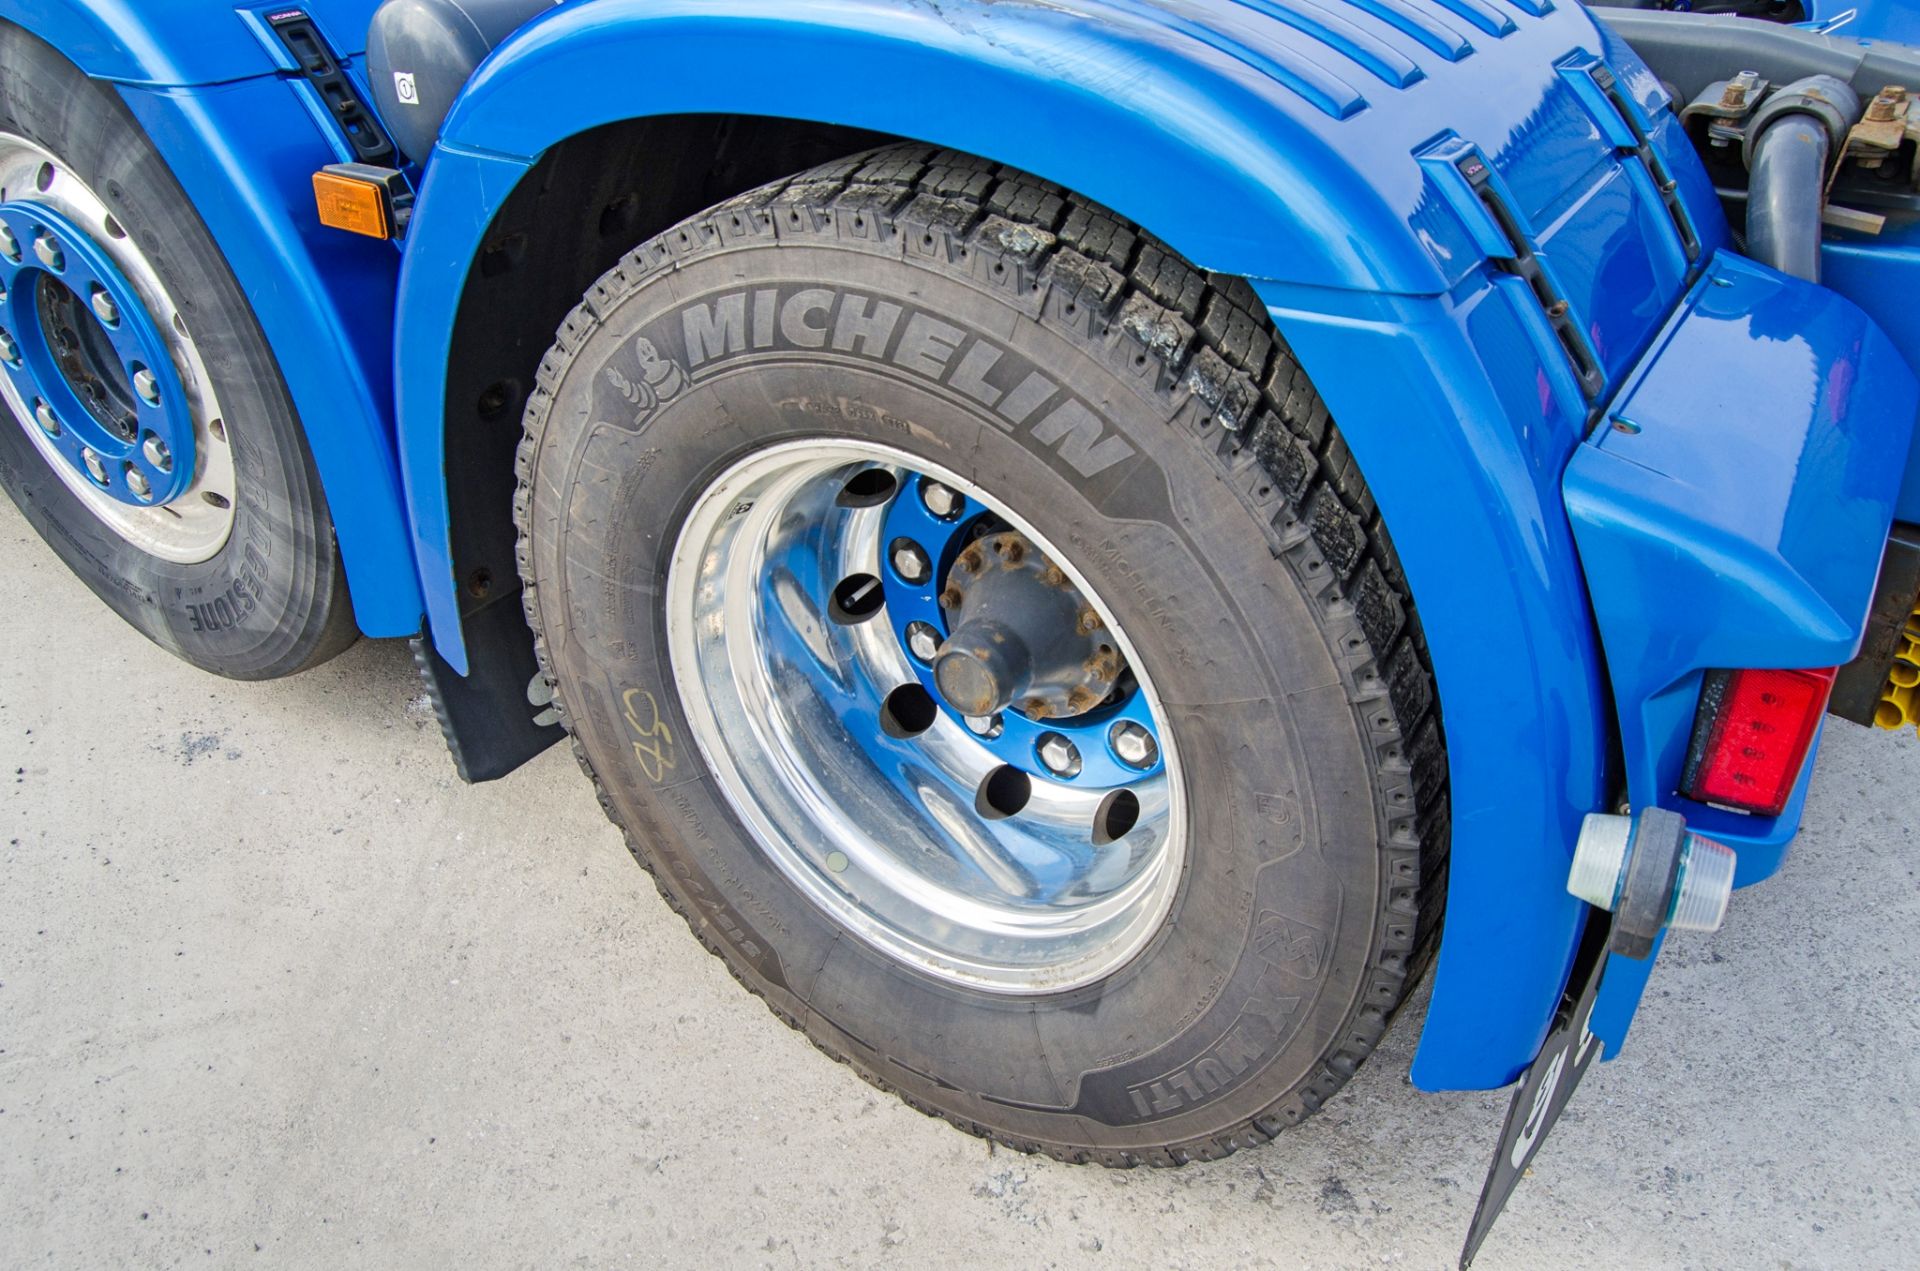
(1015, 853)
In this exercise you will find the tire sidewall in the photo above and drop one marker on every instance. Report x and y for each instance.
(1266, 951)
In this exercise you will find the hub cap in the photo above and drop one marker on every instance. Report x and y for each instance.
(96, 363)
(986, 789)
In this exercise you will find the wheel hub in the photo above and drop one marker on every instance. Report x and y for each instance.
(78, 345)
(1021, 633)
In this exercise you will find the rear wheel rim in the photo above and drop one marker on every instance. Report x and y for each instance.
(981, 851)
(100, 369)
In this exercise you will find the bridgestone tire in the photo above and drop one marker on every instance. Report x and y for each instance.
(273, 600)
(1219, 512)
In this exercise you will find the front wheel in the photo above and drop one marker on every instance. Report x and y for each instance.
(979, 628)
(152, 442)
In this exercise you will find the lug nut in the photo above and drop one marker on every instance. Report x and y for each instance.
(1134, 744)
(1061, 756)
(95, 468)
(137, 482)
(922, 640)
(943, 501)
(43, 414)
(910, 562)
(9, 245)
(47, 248)
(104, 308)
(986, 726)
(147, 386)
(9, 348)
(157, 454)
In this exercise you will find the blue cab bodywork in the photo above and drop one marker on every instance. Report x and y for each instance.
(1341, 156)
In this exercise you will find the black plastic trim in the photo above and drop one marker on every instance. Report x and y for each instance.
(322, 69)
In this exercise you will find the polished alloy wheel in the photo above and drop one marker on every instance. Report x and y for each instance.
(924, 717)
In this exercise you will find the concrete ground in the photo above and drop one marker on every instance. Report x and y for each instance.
(277, 990)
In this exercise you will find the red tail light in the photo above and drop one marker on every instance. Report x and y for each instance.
(1751, 736)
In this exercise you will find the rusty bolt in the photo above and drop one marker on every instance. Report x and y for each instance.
(1036, 708)
(1883, 108)
(951, 598)
(1734, 95)
(1089, 622)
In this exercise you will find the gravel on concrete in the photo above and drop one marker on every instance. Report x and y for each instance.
(276, 989)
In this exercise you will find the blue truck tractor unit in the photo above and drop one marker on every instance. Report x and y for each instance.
(1088, 545)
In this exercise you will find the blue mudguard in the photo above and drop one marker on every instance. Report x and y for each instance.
(1318, 150)
(1730, 511)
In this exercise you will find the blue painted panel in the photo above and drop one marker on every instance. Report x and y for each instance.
(1741, 525)
(245, 154)
(1614, 254)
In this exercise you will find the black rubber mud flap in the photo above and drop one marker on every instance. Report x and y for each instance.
(499, 715)
(1543, 1093)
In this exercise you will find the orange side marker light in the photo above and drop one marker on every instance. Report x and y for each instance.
(357, 206)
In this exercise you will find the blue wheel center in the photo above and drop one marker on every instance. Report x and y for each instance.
(95, 374)
(1113, 744)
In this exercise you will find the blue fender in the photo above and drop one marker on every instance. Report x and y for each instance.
(244, 146)
(1290, 143)
(245, 154)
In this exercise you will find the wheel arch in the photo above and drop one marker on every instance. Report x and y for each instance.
(1242, 179)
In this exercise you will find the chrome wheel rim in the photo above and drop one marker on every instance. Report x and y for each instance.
(99, 367)
(811, 697)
